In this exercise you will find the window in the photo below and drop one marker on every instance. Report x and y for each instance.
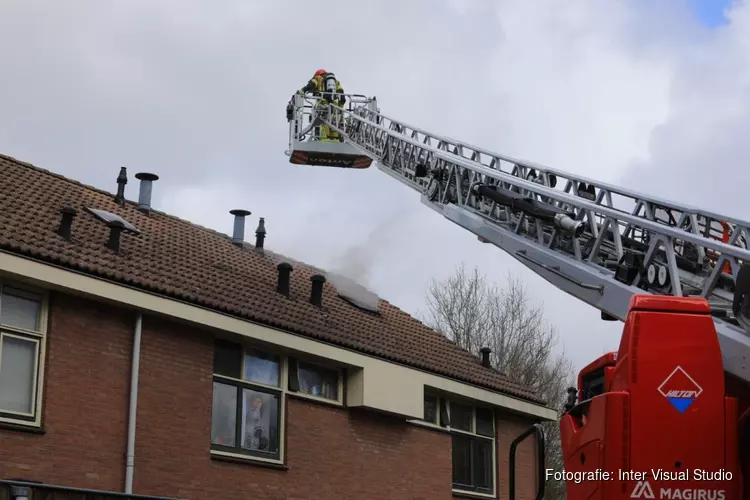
(473, 442)
(22, 335)
(248, 398)
(430, 409)
(314, 380)
(247, 402)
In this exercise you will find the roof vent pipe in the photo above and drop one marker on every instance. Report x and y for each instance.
(122, 179)
(486, 357)
(285, 269)
(316, 294)
(115, 229)
(238, 233)
(144, 195)
(66, 220)
(260, 234)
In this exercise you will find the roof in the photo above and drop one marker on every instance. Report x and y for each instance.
(178, 259)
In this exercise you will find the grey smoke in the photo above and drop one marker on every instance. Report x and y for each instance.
(350, 273)
(356, 262)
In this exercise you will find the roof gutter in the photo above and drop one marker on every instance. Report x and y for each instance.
(133, 405)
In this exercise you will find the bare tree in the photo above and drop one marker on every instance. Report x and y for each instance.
(474, 313)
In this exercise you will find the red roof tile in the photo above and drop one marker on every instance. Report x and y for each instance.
(178, 259)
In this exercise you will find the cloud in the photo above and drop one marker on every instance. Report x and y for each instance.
(699, 154)
(195, 92)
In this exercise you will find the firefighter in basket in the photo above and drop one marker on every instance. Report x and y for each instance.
(326, 86)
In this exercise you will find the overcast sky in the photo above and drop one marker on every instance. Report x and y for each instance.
(652, 95)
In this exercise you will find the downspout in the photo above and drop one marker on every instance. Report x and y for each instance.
(133, 405)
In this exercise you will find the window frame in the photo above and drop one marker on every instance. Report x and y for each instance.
(443, 409)
(294, 363)
(39, 337)
(240, 385)
(282, 391)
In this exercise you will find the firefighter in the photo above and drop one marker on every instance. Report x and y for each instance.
(325, 85)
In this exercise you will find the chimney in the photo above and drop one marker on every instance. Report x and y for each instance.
(122, 179)
(238, 234)
(285, 269)
(144, 195)
(115, 229)
(316, 295)
(66, 220)
(260, 234)
(486, 357)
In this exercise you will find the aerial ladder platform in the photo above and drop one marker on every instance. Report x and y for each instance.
(598, 242)
(605, 245)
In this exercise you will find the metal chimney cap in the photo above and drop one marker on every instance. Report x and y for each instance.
(68, 210)
(284, 266)
(318, 278)
(240, 212)
(485, 350)
(146, 176)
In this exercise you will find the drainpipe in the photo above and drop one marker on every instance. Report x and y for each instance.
(130, 458)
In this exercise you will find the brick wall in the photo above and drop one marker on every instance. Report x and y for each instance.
(85, 401)
(332, 453)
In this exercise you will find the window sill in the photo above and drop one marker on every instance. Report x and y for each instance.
(432, 427)
(449, 430)
(30, 428)
(245, 460)
(316, 399)
(471, 495)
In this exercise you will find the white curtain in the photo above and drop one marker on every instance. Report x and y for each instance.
(17, 368)
(20, 312)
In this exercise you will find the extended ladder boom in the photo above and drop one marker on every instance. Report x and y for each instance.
(595, 241)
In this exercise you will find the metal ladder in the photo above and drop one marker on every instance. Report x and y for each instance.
(595, 241)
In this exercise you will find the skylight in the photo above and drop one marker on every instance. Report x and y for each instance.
(108, 217)
(354, 293)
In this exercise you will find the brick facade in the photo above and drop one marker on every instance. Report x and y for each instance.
(331, 453)
(86, 387)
